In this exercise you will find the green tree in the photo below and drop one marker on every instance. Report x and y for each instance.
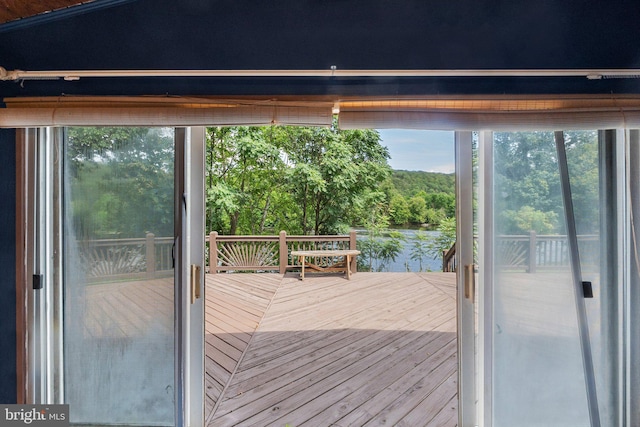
(399, 210)
(300, 179)
(245, 174)
(380, 246)
(417, 209)
(122, 181)
(446, 237)
(330, 172)
(528, 219)
(582, 159)
(409, 183)
(527, 175)
(420, 247)
(444, 202)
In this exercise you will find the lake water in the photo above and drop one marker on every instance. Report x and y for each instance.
(403, 262)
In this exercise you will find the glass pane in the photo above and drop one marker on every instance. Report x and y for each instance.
(591, 157)
(633, 258)
(538, 373)
(118, 275)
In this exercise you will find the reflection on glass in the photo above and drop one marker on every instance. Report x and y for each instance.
(538, 372)
(589, 159)
(118, 276)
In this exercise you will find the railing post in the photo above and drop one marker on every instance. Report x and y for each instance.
(352, 245)
(445, 265)
(213, 252)
(284, 252)
(150, 249)
(532, 251)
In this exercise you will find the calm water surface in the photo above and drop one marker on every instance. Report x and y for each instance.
(403, 262)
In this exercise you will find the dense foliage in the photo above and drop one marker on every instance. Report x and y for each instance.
(121, 182)
(301, 180)
(409, 183)
(527, 181)
(314, 181)
(260, 180)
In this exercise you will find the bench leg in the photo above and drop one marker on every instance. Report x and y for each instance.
(302, 258)
(348, 267)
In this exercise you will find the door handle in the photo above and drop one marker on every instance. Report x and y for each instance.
(469, 282)
(195, 282)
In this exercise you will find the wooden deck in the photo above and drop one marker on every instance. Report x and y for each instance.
(379, 349)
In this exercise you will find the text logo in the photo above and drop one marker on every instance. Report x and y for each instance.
(34, 415)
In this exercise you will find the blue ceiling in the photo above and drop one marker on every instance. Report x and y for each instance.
(316, 34)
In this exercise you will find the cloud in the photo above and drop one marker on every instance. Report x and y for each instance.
(420, 149)
(448, 168)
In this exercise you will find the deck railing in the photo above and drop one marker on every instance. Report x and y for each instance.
(268, 253)
(449, 260)
(151, 256)
(126, 259)
(532, 251)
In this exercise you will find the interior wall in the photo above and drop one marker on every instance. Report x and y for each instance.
(7, 266)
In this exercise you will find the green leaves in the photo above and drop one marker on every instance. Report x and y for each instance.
(446, 238)
(381, 247)
(316, 176)
(420, 247)
(122, 181)
(528, 219)
(528, 179)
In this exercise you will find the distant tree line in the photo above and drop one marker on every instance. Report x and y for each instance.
(420, 198)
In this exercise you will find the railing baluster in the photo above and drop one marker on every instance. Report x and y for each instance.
(151, 255)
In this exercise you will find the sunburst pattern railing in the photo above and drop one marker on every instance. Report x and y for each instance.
(531, 252)
(248, 255)
(264, 253)
(145, 257)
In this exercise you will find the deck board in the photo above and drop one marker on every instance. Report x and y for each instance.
(234, 308)
(377, 349)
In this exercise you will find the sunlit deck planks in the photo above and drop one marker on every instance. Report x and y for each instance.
(234, 308)
(378, 349)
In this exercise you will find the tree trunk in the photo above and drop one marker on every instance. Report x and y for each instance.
(318, 221)
(233, 222)
(264, 213)
(304, 210)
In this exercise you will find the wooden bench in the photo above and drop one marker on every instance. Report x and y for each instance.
(342, 266)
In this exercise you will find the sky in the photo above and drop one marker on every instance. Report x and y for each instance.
(419, 150)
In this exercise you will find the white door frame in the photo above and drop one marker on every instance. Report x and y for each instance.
(466, 299)
(190, 301)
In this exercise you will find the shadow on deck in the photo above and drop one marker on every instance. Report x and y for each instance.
(377, 349)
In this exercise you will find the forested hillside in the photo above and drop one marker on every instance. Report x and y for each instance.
(415, 197)
(408, 183)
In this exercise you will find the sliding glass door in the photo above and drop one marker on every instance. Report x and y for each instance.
(549, 289)
(118, 228)
(122, 304)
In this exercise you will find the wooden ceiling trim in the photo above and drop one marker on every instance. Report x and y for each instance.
(11, 10)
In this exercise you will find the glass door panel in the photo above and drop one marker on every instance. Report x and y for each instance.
(118, 276)
(537, 368)
(592, 160)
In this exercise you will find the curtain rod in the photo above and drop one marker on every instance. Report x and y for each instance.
(72, 75)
